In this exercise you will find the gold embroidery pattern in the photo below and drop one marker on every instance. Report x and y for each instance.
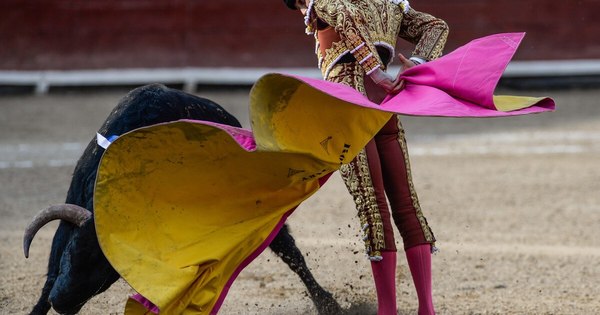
(347, 19)
(378, 23)
(428, 33)
(325, 64)
(356, 174)
(428, 233)
(357, 177)
(349, 74)
(362, 53)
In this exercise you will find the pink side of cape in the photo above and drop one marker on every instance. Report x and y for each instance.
(459, 84)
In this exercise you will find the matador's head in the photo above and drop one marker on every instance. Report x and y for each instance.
(295, 4)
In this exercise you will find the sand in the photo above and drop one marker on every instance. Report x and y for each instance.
(514, 204)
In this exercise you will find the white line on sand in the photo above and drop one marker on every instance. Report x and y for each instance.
(457, 248)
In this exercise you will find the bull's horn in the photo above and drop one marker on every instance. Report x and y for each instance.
(68, 212)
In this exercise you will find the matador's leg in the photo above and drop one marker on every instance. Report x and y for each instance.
(364, 181)
(406, 210)
(399, 187)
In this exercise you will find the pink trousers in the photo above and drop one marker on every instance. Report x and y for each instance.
(381, 172)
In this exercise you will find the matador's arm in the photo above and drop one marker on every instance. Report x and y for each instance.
(427, 32)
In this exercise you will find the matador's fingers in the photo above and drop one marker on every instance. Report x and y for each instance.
(406, 63)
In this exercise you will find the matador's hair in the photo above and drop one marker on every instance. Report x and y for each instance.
(291, 4)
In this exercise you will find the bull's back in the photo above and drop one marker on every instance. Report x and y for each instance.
(144, 106)
(156, 103)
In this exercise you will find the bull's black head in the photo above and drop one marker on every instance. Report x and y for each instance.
(78, 268)
(84, 271)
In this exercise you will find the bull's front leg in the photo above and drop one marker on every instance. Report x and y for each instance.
(59, 242)
(285, 247)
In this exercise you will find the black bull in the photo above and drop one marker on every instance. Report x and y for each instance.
(77, 268)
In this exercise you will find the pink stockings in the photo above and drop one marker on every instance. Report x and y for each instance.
(384, 274)
(419, 262)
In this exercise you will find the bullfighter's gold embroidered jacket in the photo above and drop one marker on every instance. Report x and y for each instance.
(368, 29)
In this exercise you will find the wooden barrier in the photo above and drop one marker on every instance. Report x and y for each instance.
(116, 34)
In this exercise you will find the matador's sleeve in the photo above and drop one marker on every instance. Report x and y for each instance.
(427, 32)
(349, 23)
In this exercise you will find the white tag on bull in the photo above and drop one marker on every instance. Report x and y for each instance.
(103, 142)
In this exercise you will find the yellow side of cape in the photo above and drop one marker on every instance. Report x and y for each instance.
(507, 103)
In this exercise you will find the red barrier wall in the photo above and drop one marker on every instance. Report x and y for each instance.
(96, 34)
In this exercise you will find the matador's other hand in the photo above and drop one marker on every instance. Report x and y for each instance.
(387, 82)
(383, 79)
(399, 83)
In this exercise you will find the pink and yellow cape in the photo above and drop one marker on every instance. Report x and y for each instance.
(182, 207)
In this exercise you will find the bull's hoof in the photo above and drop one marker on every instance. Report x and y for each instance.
(326, 304)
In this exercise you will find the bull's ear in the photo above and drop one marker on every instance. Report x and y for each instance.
(71, 213)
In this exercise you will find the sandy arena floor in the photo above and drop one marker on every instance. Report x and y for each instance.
(514, 203)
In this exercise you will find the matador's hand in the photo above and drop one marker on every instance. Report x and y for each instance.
(387, 82)
(404, 64)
